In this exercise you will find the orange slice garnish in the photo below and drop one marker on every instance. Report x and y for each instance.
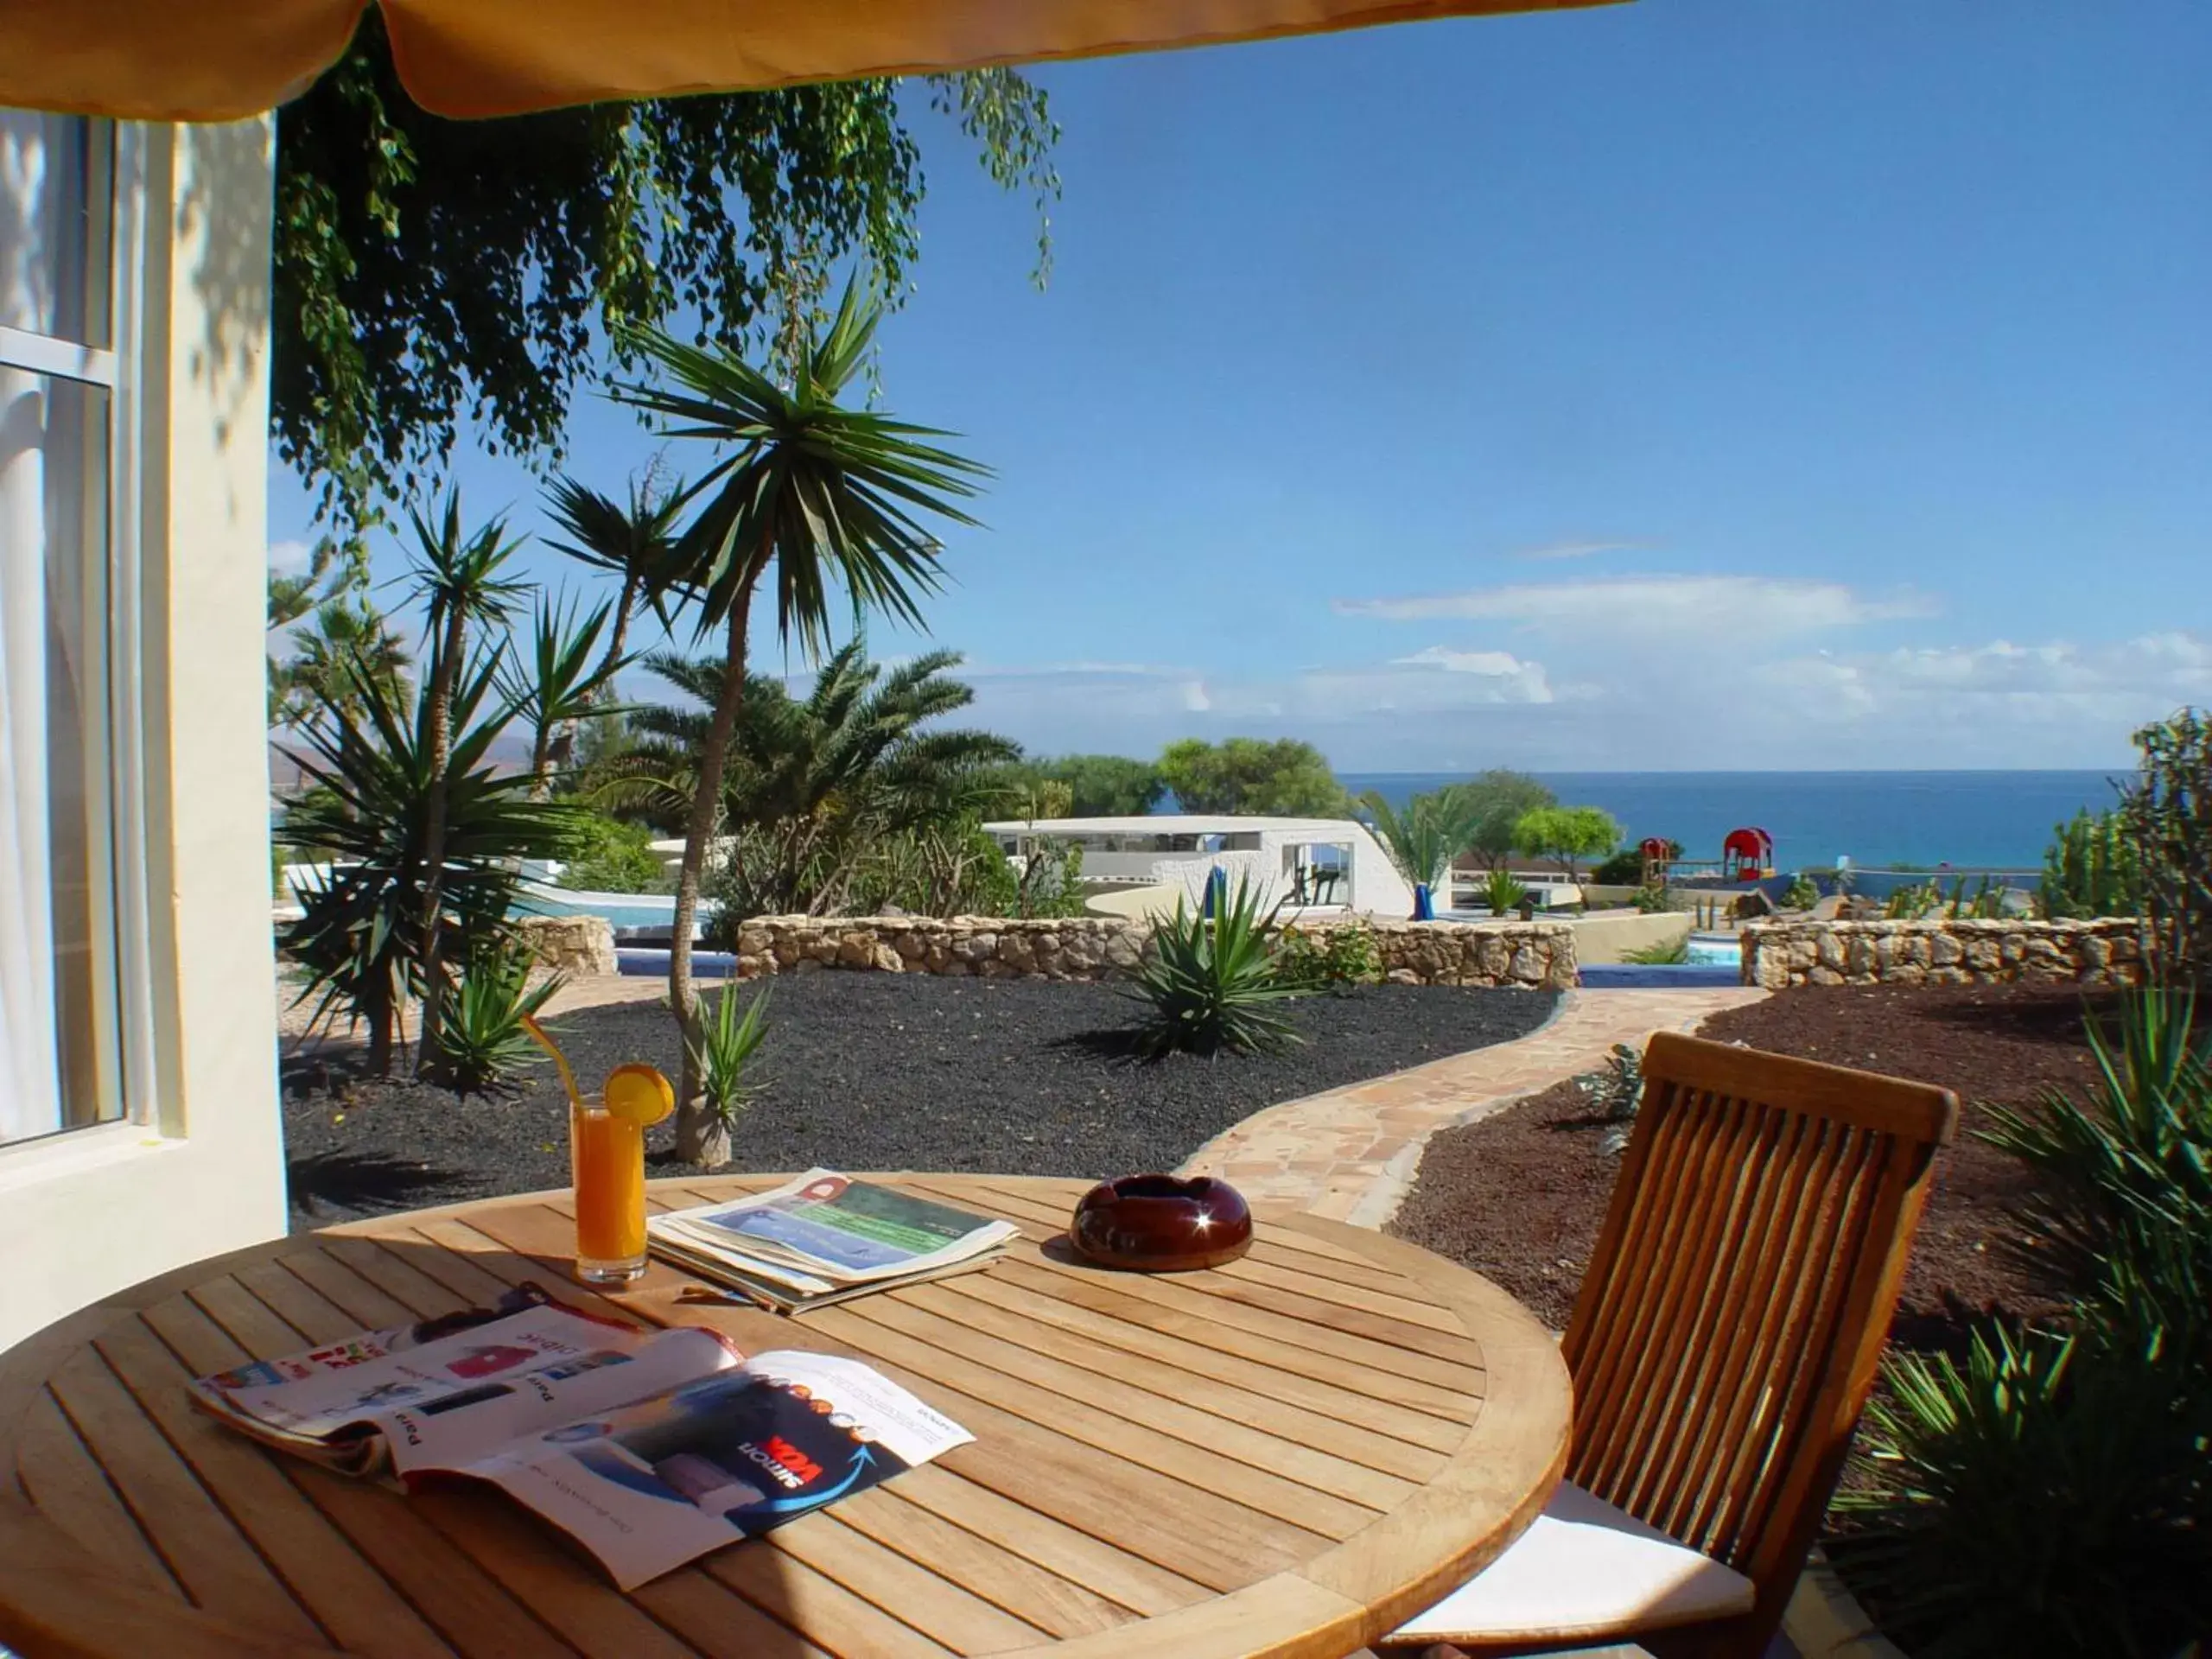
(639, 1092)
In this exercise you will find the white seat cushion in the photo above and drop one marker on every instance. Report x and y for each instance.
(1584, 1568)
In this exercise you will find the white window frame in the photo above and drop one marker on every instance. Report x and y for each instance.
(127, 1015)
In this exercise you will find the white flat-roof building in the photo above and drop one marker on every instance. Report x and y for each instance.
(1305, 863)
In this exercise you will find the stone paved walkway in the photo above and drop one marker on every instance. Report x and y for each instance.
(583, 991)
(1350, 1154)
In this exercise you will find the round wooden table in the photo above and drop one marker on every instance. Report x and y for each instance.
(1285, 1456)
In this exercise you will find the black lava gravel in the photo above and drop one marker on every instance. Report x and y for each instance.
(880, 1072)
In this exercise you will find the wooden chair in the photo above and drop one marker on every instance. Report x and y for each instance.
(1724, 1341)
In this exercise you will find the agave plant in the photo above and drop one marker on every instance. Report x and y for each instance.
(1208, 981)
(483, 1040)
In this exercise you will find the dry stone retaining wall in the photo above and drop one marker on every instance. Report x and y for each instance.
(1778, 955)
(1538, 955)
(571, 944)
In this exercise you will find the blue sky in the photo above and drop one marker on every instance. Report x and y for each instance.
(1687, 383)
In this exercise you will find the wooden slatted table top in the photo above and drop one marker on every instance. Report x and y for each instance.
(1285, 1456)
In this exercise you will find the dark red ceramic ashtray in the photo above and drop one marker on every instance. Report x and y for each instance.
(1162, 1224)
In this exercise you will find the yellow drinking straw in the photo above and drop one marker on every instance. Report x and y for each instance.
(561, 1060)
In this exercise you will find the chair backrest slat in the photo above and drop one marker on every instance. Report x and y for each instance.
(1728, 1328)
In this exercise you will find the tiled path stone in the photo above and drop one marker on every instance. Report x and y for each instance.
(1350, 1153)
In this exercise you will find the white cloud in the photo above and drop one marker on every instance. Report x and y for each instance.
(1463, 662)
(1576, 550)
(1677, 608)
(1137, 708)
(290, 558)
(2009, 691)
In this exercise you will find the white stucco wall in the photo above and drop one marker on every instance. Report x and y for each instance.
(85, 1214)
(1375, 889)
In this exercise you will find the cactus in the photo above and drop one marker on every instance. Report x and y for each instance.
(2091, 869)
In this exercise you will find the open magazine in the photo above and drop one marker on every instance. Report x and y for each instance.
(823, 1237)
(648, 1448)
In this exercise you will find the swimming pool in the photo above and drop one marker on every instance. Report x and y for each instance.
(1710, 950)
(621, 909)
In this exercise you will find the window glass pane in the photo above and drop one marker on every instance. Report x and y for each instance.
(56, 211)
(57, 995)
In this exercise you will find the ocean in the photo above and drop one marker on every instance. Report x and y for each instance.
(1992, 820)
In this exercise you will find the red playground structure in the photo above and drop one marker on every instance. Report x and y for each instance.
(1746, 855)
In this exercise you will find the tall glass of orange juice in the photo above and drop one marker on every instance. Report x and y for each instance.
(607, 1157)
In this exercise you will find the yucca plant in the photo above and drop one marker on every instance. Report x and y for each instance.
(558, 686)
(723, 1045)
(1208, 981)
(482, 1041)
(370, 755)
(2048, 1497)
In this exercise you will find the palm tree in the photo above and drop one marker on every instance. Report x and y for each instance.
(1422, 840)
(342, 634)
(819, 491)
(459, 578)
(816, 780)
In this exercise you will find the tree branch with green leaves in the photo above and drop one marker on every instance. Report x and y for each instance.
(434, 275)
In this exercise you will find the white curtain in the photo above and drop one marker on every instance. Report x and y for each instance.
(31, 206)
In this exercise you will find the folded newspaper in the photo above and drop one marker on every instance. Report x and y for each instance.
(824, 1237)
(648, 1448)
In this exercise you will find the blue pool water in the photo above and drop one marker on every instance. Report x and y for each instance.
(1715, 951)
(621, 909)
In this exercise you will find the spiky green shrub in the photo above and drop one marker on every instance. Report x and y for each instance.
(2121, 1205)
(2053, 1495)
(1209, 983)
(1504, 893)
(1654, 900)
(482, 1042)
(2090, 869)
(728, 1035)
(2049, 1496)
(1673, 953)
(1803, 893)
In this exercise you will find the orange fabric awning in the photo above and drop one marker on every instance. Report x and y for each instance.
(223, 59)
